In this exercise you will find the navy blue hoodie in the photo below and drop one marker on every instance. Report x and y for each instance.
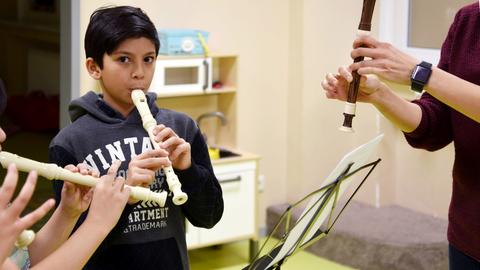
(147, 236)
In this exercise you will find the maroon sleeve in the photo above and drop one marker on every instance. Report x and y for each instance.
(435, 131)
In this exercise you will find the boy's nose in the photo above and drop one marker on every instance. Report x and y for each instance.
(138, 72)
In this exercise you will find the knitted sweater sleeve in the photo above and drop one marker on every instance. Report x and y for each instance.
(435, 129)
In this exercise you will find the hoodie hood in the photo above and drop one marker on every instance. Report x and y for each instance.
(94, 105)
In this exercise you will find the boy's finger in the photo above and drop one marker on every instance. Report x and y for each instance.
(165, 134)
(87, 170)
(95, 173)
(119, 183)
(28, 220)
(8, 186)
(157, 129)
(88, 196)
(112, 172)
(68, 188)
(172, 141)
(153, 153)
(182, 148)
(154, 163)
(143, 177)
(72, 168)
(114, 168)
(25, 194)
(127, 191)
(83, 189)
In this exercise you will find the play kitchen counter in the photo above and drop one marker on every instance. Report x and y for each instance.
(238, 178)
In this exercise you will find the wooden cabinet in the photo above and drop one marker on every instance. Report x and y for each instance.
(237, 177)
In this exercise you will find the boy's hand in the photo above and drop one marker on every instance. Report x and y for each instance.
(76, 198)
(179, 149)
(11, 224)
(109, 198)
(142, 168)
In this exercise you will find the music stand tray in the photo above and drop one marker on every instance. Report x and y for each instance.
(320, 206)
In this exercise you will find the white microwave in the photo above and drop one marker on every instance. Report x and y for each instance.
(182, 76)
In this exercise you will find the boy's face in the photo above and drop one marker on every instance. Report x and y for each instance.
(129, 67)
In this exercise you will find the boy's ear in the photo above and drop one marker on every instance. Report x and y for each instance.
(93, 69)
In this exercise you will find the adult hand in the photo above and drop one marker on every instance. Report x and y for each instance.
(336, 86)
(386, 61)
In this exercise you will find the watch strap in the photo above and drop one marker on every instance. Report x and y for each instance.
(418, 85)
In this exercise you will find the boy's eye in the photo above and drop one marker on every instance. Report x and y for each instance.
(123, 59)
(149, 59)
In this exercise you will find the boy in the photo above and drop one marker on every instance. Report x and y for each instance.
(121, 46)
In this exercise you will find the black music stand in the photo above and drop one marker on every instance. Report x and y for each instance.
(321, 205)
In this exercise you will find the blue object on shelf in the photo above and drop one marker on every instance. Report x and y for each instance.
(181, 41)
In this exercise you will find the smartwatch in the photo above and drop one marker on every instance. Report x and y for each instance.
(420, 75)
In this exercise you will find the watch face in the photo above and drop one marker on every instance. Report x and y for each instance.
(421, 74)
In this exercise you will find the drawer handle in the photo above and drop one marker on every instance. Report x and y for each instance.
(207, 70)
(230, 180)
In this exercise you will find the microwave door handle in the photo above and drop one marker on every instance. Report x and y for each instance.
(205, 82)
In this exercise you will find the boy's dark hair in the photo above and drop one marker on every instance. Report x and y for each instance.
(110, 26)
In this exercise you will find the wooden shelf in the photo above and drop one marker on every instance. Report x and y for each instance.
(194, 102)
(213, 55)
(224, 90)
(182, 81)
